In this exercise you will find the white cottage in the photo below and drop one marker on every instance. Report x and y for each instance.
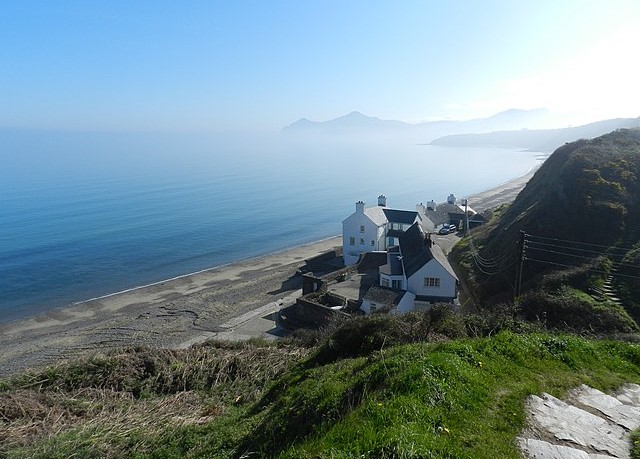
(374, 229)
(418, 273)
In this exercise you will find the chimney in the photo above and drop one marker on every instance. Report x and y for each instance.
(431, 205)
(382, 200)
(451, 199)
(420, 208)
(360, 207)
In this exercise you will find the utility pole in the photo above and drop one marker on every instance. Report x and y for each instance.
(521, 247)
(466, 217)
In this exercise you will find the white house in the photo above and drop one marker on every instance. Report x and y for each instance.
(435, 215)
(417, 272)
(374, 229)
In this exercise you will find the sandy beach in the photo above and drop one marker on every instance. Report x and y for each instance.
(178, 312)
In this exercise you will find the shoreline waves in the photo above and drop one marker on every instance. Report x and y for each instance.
(172, 312)
(201, 271)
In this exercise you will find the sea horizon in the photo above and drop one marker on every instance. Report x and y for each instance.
(81, 223)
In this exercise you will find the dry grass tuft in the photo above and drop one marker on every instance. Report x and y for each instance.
(136, 391)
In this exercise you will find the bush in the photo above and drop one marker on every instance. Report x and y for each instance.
(362, 336)
(572, 310)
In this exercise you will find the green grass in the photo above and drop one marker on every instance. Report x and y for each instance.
(459, 399)
(635, 444)
(456, 399)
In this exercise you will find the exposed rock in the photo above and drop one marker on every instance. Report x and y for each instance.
(540, 449)
(629, 394)
(627, 416)
(568, 425)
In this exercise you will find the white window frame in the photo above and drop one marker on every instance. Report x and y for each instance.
(432, 282)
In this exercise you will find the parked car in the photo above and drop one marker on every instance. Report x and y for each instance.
(446, 229)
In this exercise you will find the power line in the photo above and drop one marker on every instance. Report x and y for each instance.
(577, 249)
(482, 270)
(625, 248)
(487, 263)
(534, 246)
(587, 269)
(491, 266)
(582, 257)
(484, 261)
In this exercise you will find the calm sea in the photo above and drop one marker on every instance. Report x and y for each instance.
(86, 215)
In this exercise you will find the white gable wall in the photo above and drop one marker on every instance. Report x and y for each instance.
(362, 240)
(406, 303)
(447, 289)
(375, 226)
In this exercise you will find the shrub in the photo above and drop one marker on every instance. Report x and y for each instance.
(572, 310)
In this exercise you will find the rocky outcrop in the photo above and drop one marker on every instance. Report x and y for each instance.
(588, 425)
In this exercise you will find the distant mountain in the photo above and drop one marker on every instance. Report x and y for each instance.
(357, 124)
(539, 140)
(354, 120)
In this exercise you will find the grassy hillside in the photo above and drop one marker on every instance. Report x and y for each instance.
(371, 389)
(582, 210)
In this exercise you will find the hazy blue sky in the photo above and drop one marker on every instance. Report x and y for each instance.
(213, 65)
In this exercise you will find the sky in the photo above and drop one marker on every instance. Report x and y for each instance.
(218, 66)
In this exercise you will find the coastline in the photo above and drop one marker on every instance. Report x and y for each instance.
(194, 273)
(501, 194)
(179, 311)
(165, 314)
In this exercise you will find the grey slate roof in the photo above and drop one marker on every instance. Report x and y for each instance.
(393, 267)
(384, 295)
(415, 253)
(439, 255)
(377, 215)
(395, 233)
(383, 215)
(371, 261)
(406, 217)
(479, 218)
(443, 212)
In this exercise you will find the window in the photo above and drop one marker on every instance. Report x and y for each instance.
(384, 282)
(432, 282)
(361, 241)
(373, 242)
(352, 240)
(362, 228)
(396, 284)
